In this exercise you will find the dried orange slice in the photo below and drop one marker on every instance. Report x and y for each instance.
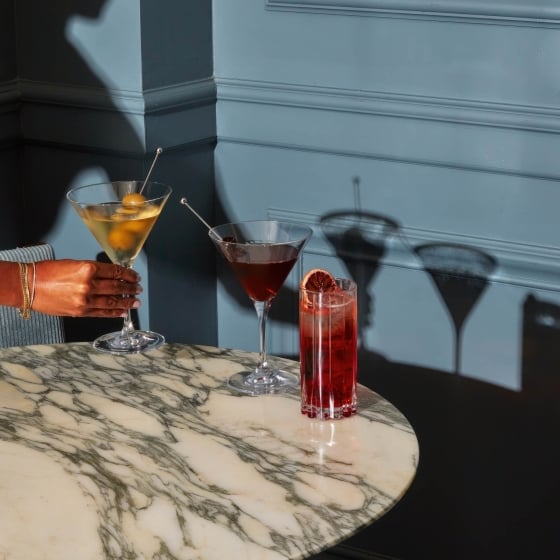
(319, 280)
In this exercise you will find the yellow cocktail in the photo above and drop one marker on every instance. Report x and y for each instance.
(121, 230)
(120, 215)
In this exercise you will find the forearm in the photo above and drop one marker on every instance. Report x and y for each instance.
(70, 288)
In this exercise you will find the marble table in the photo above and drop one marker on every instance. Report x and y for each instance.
(152, 456)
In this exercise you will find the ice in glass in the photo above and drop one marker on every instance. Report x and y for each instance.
(328, 328)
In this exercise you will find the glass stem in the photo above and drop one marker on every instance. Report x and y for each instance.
(457, 349)
(128, 325)
(262, 308)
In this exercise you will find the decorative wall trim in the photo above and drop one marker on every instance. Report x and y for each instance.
(502, 12)
(480, 113)
(187, 94)
(519, 264)
(51, 113)
(392, 127)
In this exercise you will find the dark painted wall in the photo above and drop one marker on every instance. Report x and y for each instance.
(95, 90)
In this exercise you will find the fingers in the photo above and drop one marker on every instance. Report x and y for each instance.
(116, 272)
(114, 280)
(85, 288)
(115, 287)
(110, 306)
(112, 291)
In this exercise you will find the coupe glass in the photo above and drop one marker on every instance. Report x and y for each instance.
(120, 215)
(261, 254)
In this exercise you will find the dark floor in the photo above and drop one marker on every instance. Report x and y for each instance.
(488, 481)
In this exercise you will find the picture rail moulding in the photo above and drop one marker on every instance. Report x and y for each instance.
(501, 12)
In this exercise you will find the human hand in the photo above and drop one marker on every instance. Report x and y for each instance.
(85, 288)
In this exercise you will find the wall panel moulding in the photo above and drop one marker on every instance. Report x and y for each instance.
(501, 12)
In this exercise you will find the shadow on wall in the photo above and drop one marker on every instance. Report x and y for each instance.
(48, 24)
(487, 484)
(43, 204)
(460, 273)
(359, 240)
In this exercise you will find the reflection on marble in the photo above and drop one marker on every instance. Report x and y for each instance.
(152, 456)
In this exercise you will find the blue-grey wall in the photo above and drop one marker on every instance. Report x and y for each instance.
(440, 118)
(96, 87)
(443, 118)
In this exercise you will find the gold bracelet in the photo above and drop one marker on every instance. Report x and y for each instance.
(32, 299)
(25, 311)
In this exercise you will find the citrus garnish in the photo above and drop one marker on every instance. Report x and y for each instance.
(319, 280)
(133, 198)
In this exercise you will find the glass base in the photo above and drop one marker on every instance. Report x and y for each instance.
(253, 383)
(135, 342)
(328, 413)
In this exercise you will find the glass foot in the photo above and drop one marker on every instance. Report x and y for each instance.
(135, 342)
(328, 412)
(251, 383)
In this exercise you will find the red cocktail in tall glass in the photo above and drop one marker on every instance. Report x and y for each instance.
(328, 322)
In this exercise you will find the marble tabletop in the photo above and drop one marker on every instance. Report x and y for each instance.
(152, 456)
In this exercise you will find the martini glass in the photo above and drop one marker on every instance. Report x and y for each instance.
(460, 275)
(120, 215)
(261, 254)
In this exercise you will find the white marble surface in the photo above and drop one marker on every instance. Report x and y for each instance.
(152, 456)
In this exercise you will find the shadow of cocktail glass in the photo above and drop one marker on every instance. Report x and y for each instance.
(460, 274)
(360, 240)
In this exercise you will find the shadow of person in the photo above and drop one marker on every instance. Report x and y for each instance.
(88, 129)
(62, 70)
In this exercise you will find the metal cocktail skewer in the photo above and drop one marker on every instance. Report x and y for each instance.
(158, 152)
(184, 202)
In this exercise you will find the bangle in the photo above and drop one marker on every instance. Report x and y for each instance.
(25, 311)
(32, 298)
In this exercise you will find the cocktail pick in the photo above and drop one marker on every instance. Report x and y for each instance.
(184, 202)
(158, 152)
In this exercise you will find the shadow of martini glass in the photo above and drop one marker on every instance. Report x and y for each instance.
(460, 274)
(360, 241)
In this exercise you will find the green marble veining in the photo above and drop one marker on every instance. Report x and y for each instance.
(152, 456)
